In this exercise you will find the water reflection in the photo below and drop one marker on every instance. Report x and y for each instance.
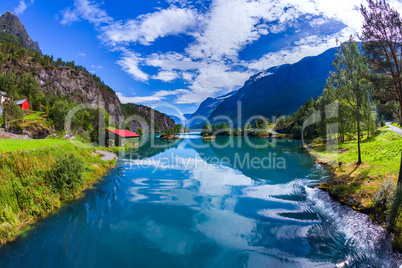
(191, 212)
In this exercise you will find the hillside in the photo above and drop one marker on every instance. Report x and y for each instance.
(279, 90)
(21, 60)
(146, 114)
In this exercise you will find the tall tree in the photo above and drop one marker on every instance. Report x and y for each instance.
(382, 46)
(350, 84)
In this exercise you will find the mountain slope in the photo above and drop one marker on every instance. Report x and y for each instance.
(58, 78)
(177, 119)
(206, 108)
(145, 114)
(279, 90)
(12, 30)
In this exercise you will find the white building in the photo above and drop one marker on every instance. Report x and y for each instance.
(3, 97)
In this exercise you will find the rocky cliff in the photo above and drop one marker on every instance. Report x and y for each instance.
(12, 30)
(65, 78)
(54, 77)
(81, 87)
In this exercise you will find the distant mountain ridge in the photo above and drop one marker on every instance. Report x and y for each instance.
(278, 90)
(11, 30)
(207, 107)
(178, 120)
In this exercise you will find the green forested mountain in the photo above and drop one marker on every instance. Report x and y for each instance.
(43, 80)
(147, 115)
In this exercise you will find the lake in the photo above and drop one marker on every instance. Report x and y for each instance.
(194, 203)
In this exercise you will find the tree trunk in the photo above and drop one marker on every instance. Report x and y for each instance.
(359, 161)
(400, 175)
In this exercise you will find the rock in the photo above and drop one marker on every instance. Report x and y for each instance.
(169, 137)
(208, 138)
(11, 25)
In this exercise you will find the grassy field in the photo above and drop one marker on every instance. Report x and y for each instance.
(13, 145)
(36, 182)
(360, 185)
(381, 155)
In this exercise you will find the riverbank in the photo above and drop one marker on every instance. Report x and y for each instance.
(370, 186)
(34, 183)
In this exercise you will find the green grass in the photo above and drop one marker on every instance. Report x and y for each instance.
(381, 157)
(34, 116)
(396, 124)
(13, 145)
(27, 193)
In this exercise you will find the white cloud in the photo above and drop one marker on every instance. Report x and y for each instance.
(96, 67)
(22, 6)
(130, 64)
(155, 97)
(149, 27)
(166, 76)
(210, 64)
(82, 54)
(212, 79)
(87, 10)
(232, 24)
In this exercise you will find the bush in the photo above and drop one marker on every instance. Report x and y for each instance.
(66, 176)
(385, 196)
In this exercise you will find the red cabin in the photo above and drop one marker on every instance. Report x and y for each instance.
(23, 104)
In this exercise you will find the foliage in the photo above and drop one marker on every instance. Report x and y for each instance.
(153, 120)
(261, 123)
(58, 113)
(260, 128)
(26, 192)
(350, 87)
(382, 46)
(206, 130)
(67, 174)
(384, 196)
(11, 113)
(140, 132)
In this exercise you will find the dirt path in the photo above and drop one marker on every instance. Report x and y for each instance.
(396, 130)
(107, 156)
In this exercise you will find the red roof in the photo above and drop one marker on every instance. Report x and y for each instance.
(123, 133)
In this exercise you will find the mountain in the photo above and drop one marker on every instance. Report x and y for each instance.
(278, 90)
(206, 108)
(183, 121)
(12, 30)
(58, 79)
(144, 114)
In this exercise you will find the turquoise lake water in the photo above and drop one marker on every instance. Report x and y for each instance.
(204, 204)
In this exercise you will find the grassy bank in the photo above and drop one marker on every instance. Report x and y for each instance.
(36, 182)
(11, 145)
(369, 187)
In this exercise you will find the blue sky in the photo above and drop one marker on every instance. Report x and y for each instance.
(181, 52)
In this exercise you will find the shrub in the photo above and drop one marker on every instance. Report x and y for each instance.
(384, 197)
(66, 176)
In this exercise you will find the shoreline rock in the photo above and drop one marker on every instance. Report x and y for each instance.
(169, 137)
